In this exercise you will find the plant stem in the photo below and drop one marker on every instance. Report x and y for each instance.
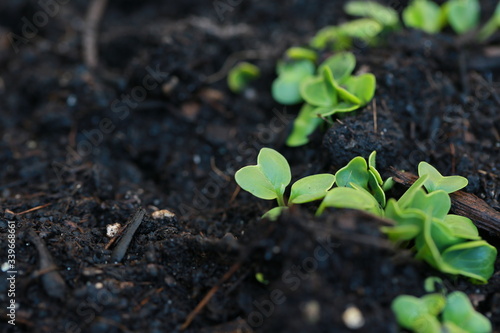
(281, 201)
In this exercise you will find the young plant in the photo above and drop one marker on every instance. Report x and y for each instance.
(286, 87)
(385, 16)
(437, 312)
(462, 15)
(333, 90)
(241, 75)
(269, 179)
(491, 26)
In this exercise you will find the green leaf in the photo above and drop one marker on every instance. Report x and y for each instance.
(407, 310)
(311, 188)
(314, 90)
(491, 26)
(346, 197)
(424, 15)
(462, 227)
(331, 36)
(436, 204)
(269, 178)
(431, 282)
(407, 197)
(274, 214)
(240, 75)
(463, 15)
(434, 303)
(437, 182)
(304, 125)
(461, 313)
(364, 29)
(442, 235)
(401, 232)
(449, 327)
(474, 259)
(361, 86)
(286, 87)
(372, 160)
(427, 249)
(301, 53)
(354, 172)
(337, 108)
(384, 15)
(409, 223)
(375, 187)
(341, 65)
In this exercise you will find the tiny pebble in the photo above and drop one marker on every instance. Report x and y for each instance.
(162, 214)
(112, 229)
(353, 318)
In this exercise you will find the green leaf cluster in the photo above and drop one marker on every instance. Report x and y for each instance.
(332, 90)
(437, 312)
(270, 177)
(462, 15)
(241, 75)
(448, 242)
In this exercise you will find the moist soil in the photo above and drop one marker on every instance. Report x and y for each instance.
(154, 126)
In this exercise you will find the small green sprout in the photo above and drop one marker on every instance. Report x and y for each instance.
(437, 312)
(463, 15)
(286, 87)
(333, 90)
(301, 53)
(424, 15)
(437, 182)
(270, 177)
(386, 16)
(241, 75)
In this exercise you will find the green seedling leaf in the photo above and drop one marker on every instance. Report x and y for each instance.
(286, 87)
(386, 16)
(317, 92)
(304, 125)
(400, 233)
(372, 160)
(407, 197)
(409, 223)
(427, 249)
(301, 53)
(418, 314)
(474, 259)
(424, 15)
(436, 204)
(460, 312)
(437, 182)
(463, 15)
(268, 179)
(338, 108)
(461, 226)
(261, 279)
(331, 36)
(452, 328)
(388, 184)
(311, 188)
(431, 282)
(442, 235)
(354, 172)
(346, 197)
(240, 75)
(361, 86)
(375, 187)
(364, 29)
(274, 214)
(341, 65)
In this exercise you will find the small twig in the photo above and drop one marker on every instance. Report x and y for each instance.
(92, 20)
(52, 281)
(374, 108)
(209, 296)
(132, 225)
(34, 208)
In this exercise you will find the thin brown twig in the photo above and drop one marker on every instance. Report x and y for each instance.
(92, 20)
(34, 208)
(209, 296)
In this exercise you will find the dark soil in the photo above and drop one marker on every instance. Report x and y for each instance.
(82, 152)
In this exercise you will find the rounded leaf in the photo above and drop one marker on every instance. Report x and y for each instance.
(275, 168)
(311, 188)
(251, 179)
(239, 77)
(356, 171)
(463, 15)
(436, 181)
(304, 125)
(460, 312)
(341, 64)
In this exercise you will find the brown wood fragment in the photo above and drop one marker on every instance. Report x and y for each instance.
(462, 203)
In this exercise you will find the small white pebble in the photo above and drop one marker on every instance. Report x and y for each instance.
(353, 318)
(112, 229)
(162, 214)
(99, 285)
(312, 311)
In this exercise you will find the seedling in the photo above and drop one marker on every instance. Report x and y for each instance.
(424, 15)
(491, 26)
(286, 87)
(333, 90)
(450, 243)
(437, 312)
(241, 75)
(462, 15)
(386, 16)
(270, 177)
